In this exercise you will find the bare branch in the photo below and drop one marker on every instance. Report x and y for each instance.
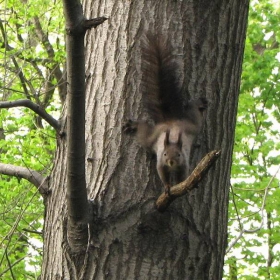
(34, 107)
(191, 182)
(32, 176)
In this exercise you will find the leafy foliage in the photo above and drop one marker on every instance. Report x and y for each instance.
(32, 55)
(254, 201)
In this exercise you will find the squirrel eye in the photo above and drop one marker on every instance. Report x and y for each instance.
(164, 154)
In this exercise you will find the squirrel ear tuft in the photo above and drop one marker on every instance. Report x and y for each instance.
(166, 139)
(180, 142)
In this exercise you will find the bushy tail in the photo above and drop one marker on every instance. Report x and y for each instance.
(161, 93)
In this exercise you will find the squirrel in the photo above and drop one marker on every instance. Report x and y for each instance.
(175, 125)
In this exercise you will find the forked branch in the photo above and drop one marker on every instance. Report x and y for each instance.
(191, 182)
(34, 107)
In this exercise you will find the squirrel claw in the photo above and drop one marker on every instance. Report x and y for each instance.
(167, 189)
(130, 127)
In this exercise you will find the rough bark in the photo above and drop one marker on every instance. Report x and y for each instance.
(131, 239)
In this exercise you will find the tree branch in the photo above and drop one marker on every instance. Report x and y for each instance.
(190, 183)
(77, 203)
(13, 264)
(10, 265)
(43, 37)
(32, 176)
(34, 107)
(19, 71)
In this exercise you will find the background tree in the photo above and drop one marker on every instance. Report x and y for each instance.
(128, 237)
(255, 196)
(32, 57)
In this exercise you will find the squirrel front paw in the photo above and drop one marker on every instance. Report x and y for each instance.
(167, 188)
(130, 126)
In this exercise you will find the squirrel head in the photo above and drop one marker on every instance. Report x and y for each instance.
(172, 155)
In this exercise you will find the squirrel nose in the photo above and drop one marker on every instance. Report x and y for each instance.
(170, 163)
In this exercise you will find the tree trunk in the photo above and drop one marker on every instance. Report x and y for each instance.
(130, 239)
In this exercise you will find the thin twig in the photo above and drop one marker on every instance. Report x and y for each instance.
(9, 264)
(14, 227)
(32, 231)
(231, 245)
(12, 265)
(235, 207)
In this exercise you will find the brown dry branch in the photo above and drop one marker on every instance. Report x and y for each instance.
(190, 183)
